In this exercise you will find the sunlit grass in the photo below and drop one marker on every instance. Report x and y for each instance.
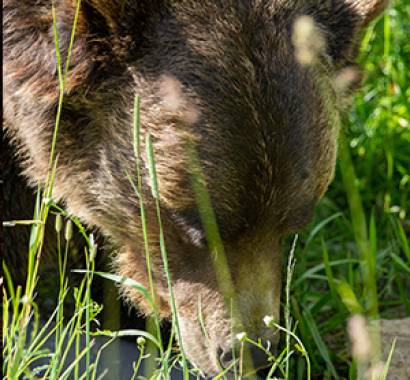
(354, 256)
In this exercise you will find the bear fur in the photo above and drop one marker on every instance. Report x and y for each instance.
(222, 77)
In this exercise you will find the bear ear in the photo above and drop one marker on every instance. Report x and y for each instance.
(367, 10)
(343, 21)
(119, 16)
(107, 27)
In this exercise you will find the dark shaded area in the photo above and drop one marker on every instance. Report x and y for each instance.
(17, 203)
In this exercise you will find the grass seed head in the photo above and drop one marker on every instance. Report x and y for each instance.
(307, 40)
(359, 338)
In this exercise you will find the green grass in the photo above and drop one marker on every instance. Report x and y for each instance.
(354, 257)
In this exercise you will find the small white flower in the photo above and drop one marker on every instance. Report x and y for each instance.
(140, 341)
(241, 336)
(46, 200)
(269, 320)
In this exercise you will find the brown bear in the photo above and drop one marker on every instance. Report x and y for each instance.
(252, 85)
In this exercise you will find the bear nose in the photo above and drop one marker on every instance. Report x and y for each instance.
(259, 357)
(226, 358)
